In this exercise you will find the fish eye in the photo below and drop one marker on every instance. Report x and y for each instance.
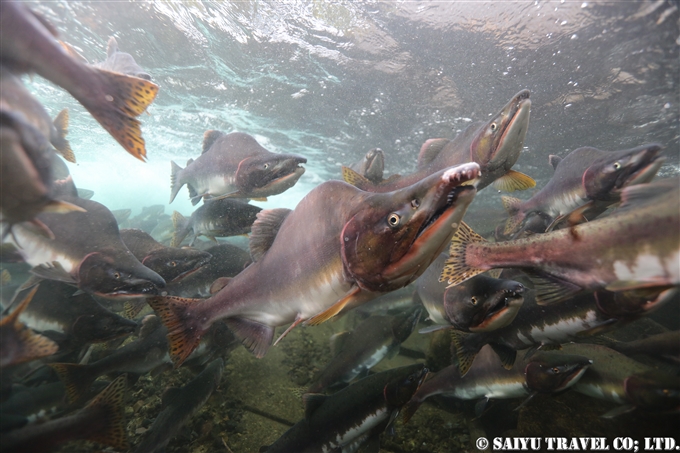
(617, 165)
(494, 126)
(556, 370)
(173, 263)
(474, 300)
(415, 203)
(393, 219)
(116, 275)
(266, 166)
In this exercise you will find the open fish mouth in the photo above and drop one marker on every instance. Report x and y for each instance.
(502, 312)
(189, 272)
(648, 164)
(462, 174)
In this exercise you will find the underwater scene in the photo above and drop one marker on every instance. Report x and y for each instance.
(339, 226)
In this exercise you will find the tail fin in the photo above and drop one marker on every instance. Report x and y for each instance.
(512, 206)
(181, 227)
(467, 346)
(127, 97)
(456, 270)
(59, 142)
(77, 379)
(175, 185)
(21, 344)
(184, 329)
(110, 404)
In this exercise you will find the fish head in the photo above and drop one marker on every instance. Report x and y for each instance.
(372, 166)
(268, 174)
(404, 323)
(400, 390)
(499, 141)
(549, 372)
(634, 303)
(174, 264)
(620, 169)
(483, 304)
(110, 276)
(653, 390)
(394, 236)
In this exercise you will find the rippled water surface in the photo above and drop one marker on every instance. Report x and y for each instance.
(330, 80)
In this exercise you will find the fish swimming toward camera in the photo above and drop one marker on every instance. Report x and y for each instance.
(362, 245)
(372, 167)
(585, 177)
(87, 252)
(235, 166)
(352, 417)
(172, 264)
(635, 251)
(356, 352)
(102, 420)
(216, 218)
(122, 62)
(179, 405)
(480, 304)
(543, 372)
(28, 44)
(495, 145)
(616, 378)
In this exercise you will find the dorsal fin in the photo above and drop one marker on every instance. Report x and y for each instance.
(111, 47)
(312, 402)
(430, 150)
(209, 138)
(359, 181)
(554, 161)
(264, 230)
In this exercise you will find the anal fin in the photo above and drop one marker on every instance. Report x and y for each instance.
(256, 337)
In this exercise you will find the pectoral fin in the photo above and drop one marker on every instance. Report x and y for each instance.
(514, 180)
(335, 308)
(53, 271)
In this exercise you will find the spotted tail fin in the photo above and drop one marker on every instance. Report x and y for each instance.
(123, 99)
(456, 270)
(184, 329)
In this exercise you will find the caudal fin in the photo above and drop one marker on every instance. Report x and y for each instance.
(456, 270)
(175, 184)
(108, 415)
(21, 344)
(180, 225)
(60, 143)
(124, 98)
(184, 329)
(77, 379)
